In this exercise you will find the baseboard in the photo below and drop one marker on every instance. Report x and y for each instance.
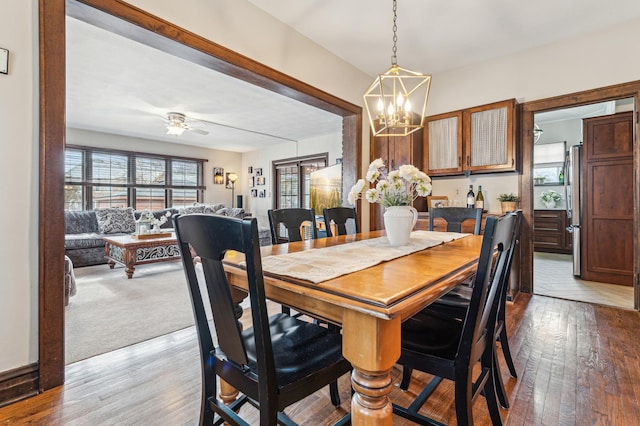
(19, 383)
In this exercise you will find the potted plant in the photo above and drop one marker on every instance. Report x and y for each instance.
(508, 202)
(550, 198)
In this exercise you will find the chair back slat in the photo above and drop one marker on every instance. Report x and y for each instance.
(340, 216)
(491, 275)
(211, 237)
(454, 216)
(293, 220)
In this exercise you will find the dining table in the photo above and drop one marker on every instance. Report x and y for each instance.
(367, 287)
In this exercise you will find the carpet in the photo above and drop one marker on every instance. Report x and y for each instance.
(110, 311)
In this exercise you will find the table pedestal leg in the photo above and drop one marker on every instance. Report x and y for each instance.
(372, 345)
(370, 403)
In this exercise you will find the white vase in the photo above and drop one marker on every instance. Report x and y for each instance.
(550, 204)
(398, 223)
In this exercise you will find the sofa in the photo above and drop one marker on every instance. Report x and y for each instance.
(84, 230)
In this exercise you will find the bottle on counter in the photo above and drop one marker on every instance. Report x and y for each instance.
(561, 177)
(471, 198)
(480, 198)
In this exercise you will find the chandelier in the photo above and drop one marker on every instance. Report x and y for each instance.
(392, 97)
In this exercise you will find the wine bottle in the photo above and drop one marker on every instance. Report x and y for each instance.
(561, 177)
(471, 198)
(480, 198)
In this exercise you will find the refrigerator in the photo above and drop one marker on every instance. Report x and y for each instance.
(573, 197)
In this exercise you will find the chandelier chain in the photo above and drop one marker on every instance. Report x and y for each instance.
(394, 58)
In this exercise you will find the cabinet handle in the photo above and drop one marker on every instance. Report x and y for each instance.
(513, 162)
(468, 161)
(460, 161)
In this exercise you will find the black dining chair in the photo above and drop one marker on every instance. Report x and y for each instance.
(292, 224)
(454, 216)
(449, 347)
(456, 303)
(340, 216)
(275, 363)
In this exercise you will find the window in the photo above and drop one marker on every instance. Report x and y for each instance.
(292, 177)
(99, 178)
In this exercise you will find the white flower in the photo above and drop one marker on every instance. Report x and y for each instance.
(393, 188)
(377, 164)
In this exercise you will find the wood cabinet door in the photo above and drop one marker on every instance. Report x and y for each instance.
(489, 132)
(607, 217)
(443, 144)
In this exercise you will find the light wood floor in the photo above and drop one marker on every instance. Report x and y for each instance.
(578, 364)
(553, 276)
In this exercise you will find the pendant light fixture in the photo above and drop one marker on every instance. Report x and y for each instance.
(396, 101)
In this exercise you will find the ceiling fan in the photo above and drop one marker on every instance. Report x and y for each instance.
(176, 125)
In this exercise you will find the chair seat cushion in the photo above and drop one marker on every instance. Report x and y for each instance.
(432, 333)
(85, 240)
(299, 347)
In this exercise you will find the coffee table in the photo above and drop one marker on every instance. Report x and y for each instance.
(130, 251)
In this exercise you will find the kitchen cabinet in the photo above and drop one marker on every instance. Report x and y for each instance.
(396, 151)
(549, 232)
(481, 139)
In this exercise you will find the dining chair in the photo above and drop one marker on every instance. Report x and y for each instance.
(454, 216)
(449, 347)
(275, 363)
(340, 216)
(456, 303)
(299, 224)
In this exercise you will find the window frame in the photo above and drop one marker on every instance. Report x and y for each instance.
(87, 183)
(303, 178)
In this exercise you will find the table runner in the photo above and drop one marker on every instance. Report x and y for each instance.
(322, 264)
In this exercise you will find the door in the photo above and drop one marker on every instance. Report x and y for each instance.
(607, 225)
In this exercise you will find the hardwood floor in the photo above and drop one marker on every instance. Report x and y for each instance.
(578, 364)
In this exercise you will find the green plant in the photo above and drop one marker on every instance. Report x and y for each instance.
(550, 195)
(509, 197)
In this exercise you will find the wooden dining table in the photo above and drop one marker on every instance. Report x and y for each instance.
(369, 304)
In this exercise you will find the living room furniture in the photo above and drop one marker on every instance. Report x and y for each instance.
(370, 304)
(69, 280)
(131, 251)
(84, 243)
(275, 363)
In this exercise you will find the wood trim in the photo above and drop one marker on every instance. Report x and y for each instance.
(131, 22)
(51, 196)
(618, 91)
(19, 383)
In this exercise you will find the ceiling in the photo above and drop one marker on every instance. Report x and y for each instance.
(109, 89)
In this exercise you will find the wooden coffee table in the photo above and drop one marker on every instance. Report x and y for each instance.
(130, 251)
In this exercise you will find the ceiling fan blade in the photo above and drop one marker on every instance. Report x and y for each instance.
(198, 131)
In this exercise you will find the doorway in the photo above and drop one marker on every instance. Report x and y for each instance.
(134, 23)
(629, 93)
(557, 132)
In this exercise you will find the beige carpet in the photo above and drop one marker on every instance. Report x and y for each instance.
(110, 311)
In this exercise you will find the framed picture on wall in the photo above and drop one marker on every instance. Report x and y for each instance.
(218, 176)
(437, 201)
(258, 171)
(254, 192)
(250, 170)
(252, 182)
(263, 193)
(260, 180)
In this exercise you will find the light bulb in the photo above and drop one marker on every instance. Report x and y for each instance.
(407, 107)
(380, 105)
(400, 101)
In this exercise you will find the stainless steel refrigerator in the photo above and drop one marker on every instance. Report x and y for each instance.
(573, 197)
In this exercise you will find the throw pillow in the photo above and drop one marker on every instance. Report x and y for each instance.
(116, 220)
(193, 209)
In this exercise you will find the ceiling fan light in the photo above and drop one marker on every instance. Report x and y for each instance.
(174, 130)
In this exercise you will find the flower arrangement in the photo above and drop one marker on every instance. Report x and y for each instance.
(147, 216)
(395, 188)
(550, 195)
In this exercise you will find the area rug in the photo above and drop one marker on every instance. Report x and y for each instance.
(110, 311)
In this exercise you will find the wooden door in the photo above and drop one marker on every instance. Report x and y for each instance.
(607, 217)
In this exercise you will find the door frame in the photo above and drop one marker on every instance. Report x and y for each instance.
(618, 91)
(134, 23)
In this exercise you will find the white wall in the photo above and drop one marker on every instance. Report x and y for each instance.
(19, 189)
(230, 161)
(263, 159)
(599, 60)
